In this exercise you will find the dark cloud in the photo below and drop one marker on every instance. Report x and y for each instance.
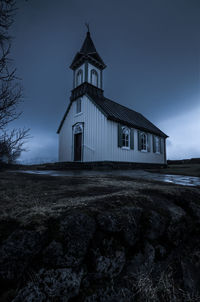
(151, 48)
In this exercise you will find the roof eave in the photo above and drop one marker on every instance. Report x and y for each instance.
(76, 63)
(64, 117)
(111, 118)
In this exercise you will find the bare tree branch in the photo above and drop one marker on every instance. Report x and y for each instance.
(10, 88)
(12, 144)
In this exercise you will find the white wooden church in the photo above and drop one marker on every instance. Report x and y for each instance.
(97, 129)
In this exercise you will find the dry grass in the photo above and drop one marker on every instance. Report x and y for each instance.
(165, 289)
(35, 198)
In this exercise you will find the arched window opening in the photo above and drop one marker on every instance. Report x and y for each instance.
(144, 142)
(126, 137)
(79, 77)
(78, 128)
(94, 77)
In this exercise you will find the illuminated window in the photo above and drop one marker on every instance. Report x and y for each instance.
(94, 77)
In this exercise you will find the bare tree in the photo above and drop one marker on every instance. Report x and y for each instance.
(11, 144)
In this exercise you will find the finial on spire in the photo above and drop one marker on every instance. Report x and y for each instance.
(88, 26)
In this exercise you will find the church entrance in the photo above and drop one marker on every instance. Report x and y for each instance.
(77, 146)
(78, 141)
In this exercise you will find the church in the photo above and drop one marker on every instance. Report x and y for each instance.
(97, 129)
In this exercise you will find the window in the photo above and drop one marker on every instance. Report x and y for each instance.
(157, 144)
(78, 128)
(125, 137)
(143, 142)
(94, 77)
(79, 77)
(78, 106)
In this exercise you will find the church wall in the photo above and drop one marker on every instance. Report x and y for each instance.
(95, 133)
(94, 136)
(116, 153)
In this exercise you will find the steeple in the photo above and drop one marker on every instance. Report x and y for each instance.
(88, 52)
(88, 45)
(88, 65)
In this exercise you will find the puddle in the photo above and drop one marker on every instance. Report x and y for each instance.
(175, 179)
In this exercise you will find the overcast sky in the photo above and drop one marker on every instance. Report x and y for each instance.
(152, 52)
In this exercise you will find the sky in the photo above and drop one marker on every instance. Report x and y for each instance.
(152, 52)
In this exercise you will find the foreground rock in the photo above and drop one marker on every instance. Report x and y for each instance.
(60, 284)
(134, 250)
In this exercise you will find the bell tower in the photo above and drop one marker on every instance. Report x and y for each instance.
(87, 65)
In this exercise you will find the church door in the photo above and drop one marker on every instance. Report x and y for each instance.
(77, 146)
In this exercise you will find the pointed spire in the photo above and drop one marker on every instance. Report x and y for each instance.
(88, 52)
(88, 26)
(88, 45)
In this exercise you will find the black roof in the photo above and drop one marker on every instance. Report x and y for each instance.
(112, 110)
(88, 45)
(124, 115)
(87, 52)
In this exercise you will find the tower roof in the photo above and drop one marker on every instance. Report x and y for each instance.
(87, 52)
(88, 45)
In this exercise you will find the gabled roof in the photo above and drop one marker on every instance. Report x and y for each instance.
(87, 52)
(112, 110)
(124, 115)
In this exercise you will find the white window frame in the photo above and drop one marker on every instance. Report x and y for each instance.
(126, 132)
(144, 135)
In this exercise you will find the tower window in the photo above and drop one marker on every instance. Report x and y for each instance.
(79, 77)
(126, 137)
(94, 77)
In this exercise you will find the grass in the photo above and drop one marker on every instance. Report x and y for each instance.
(33, 199)
(162, 290)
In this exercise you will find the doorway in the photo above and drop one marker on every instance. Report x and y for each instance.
(77, 146)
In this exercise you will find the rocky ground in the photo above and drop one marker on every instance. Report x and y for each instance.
(99, 238)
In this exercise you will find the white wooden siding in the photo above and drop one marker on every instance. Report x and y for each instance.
(119, 154)
(100, 138)
(94, 136)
